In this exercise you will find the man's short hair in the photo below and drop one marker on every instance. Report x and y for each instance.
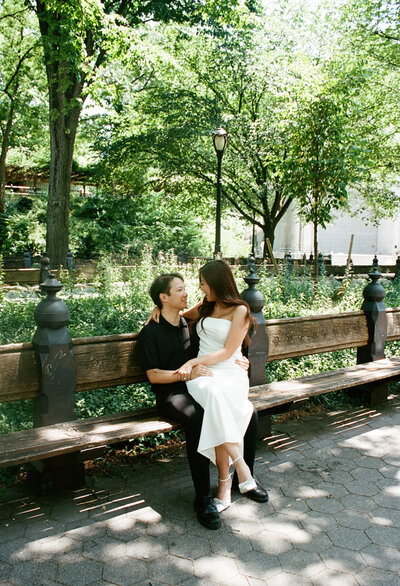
(162, 284)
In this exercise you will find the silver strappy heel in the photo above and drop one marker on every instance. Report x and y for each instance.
(247, 485)
(221, 505)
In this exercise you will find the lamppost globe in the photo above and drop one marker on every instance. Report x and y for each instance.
(220, 138)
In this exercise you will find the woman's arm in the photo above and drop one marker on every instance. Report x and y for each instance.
(193, 312)
(236, 335)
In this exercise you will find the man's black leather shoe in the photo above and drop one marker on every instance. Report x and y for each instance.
(206, 512)
(258, 494)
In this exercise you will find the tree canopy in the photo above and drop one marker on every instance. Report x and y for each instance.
(308, 96)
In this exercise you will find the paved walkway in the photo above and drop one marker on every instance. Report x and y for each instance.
(333, 519)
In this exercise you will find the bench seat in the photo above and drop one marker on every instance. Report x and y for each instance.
(286, 391)
(59, 439)
(85, 434)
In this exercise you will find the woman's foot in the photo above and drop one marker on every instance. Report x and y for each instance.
(223, 499)
(247, 485)
(244, 475)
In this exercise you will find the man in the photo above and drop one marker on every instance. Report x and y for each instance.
(164, 347)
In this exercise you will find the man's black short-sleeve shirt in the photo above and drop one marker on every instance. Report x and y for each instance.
(166, 347)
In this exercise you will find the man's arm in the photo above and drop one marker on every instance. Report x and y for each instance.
(162, 377)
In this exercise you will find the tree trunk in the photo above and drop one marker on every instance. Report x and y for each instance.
(315, 222)
(268, 233)
(3, 157)
(62, 141)
(315, 253)
(65, 83)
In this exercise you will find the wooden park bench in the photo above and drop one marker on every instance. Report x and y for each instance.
(54, 367)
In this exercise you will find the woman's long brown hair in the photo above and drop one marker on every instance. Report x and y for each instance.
(218, 276)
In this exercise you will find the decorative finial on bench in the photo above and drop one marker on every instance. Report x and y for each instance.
(397, 275)
(374, 290)
(257, 350)
(44, 267)
(288, 263)
(375, 272)
(321, 267)
(51, 285)
(70, 261)
(375, 312)
(51, 312)
(251, 263)
(252, 295)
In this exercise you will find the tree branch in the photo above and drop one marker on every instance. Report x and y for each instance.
(13, 14)
(17, 69)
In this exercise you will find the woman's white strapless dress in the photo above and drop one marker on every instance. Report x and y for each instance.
(224, 396)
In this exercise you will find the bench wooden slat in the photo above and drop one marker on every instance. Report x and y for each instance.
(102, 361)
(18, 372)
(62, 438)
(291, 337)
(281, 392)
(393, 324)
(107, 362)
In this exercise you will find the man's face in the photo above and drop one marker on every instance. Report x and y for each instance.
(177, 298)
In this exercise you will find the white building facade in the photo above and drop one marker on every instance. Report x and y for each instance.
(293, 236)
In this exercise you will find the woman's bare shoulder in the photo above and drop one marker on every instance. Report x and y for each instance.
(240, 311)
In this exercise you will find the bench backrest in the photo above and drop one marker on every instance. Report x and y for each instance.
(323, 333)
(106, 361)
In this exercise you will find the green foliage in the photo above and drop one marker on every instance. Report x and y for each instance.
(15, 416)
(374, 28)
(23, 225)
(196, 87)
(321, 167)
(290, 102)
(78, 38)
(105, 223)
(113, 400)
(23, 122)
(283, 83)
(1, 278)
(16, 320)
(370, 36)
(300, 298)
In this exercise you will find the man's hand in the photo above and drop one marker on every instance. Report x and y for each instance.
(243, 362)
(200, 370)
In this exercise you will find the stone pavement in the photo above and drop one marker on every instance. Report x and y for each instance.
(333, 517)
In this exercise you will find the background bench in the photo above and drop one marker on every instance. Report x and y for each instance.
(54, 367)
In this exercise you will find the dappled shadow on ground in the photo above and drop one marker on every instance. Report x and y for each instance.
(333, 516)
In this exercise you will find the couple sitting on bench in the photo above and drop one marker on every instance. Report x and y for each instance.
(200, 380)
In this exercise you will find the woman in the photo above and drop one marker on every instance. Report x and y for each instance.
(223, 320)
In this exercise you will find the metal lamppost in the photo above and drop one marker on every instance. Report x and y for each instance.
(253, 239)
(220, 138)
